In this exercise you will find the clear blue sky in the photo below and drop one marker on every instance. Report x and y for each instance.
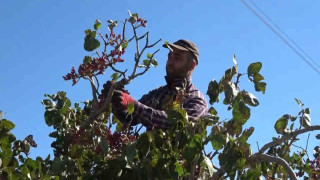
(41, 40)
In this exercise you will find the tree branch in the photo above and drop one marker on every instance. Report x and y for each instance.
(288, 136)
(258, 157)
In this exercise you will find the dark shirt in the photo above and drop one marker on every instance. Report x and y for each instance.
(149, 110)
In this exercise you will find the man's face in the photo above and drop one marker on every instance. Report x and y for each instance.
(177, 64)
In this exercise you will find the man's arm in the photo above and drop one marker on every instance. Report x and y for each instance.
(146, 114)
(158, 119)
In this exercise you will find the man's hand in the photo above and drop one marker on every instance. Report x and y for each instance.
(121, 100)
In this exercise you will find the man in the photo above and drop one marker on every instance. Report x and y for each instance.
(150, 109)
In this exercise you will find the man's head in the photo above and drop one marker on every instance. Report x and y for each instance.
(183, 56)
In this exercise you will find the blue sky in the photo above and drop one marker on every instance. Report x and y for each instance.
(42, 40)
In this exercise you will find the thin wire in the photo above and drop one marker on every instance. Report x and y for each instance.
(314, 62)
(279, 35)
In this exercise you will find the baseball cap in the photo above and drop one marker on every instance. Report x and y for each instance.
(185, 45)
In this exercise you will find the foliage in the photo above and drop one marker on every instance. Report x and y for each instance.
(86, 148)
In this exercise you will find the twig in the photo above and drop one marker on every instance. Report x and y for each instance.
(94, 90)
(141, 37)
(307, 142)
(124, 29)
(258, 157)
(288, 136)
(214, 154)
(97, 84)
(238, 80)
(258, 146)
(150, 46)
(122, 73)
(139, 129)
(148, 66)
(105, 43)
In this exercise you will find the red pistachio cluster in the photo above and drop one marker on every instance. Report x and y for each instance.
(73, 75)
(315, 166)
(114, 40)
(143, 22)
(96, 65)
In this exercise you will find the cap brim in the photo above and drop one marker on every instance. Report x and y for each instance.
(175, 46)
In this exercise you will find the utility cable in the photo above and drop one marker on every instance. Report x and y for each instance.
(282, 38)
(314, 62)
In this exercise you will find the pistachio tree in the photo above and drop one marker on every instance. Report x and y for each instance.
(89, 142)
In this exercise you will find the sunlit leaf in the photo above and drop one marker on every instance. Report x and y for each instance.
(254, 68)
(178, 168)
(87, 59)
(97, 24)
(208, 164)
(250, 99)
(281, 124)
(299, 102)
(115, 76)
(130, 108)
(305, 120)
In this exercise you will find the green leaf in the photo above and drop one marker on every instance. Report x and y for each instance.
(115, 76)
(230, 91)
(208, 164)
(87, 32)
(31, 164)
(130, 108)
(146, 62)
(213, 91)
(307, 111)
(196, 141)
(133, 18)
(260, 86)
(305, 120)
(254, 68)
(178, 168)
(124, 44)
(0, 114)
(104, 145)
(58, 165)
(281, 124)
(246, 134)
(218, 140)
(213, 111)
(250, 99)
(154, 63)
(143, 144)
(240, 112)
(8, 125)
(234, 60)
(258, 78)
(318, 136)
(299, 102)
(91, 44)
(97, 24)
(241, 163)
(25, 171)
(87, 59)
(149, 55)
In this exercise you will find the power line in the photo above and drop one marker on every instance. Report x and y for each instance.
(280, 36)
(314, 62)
